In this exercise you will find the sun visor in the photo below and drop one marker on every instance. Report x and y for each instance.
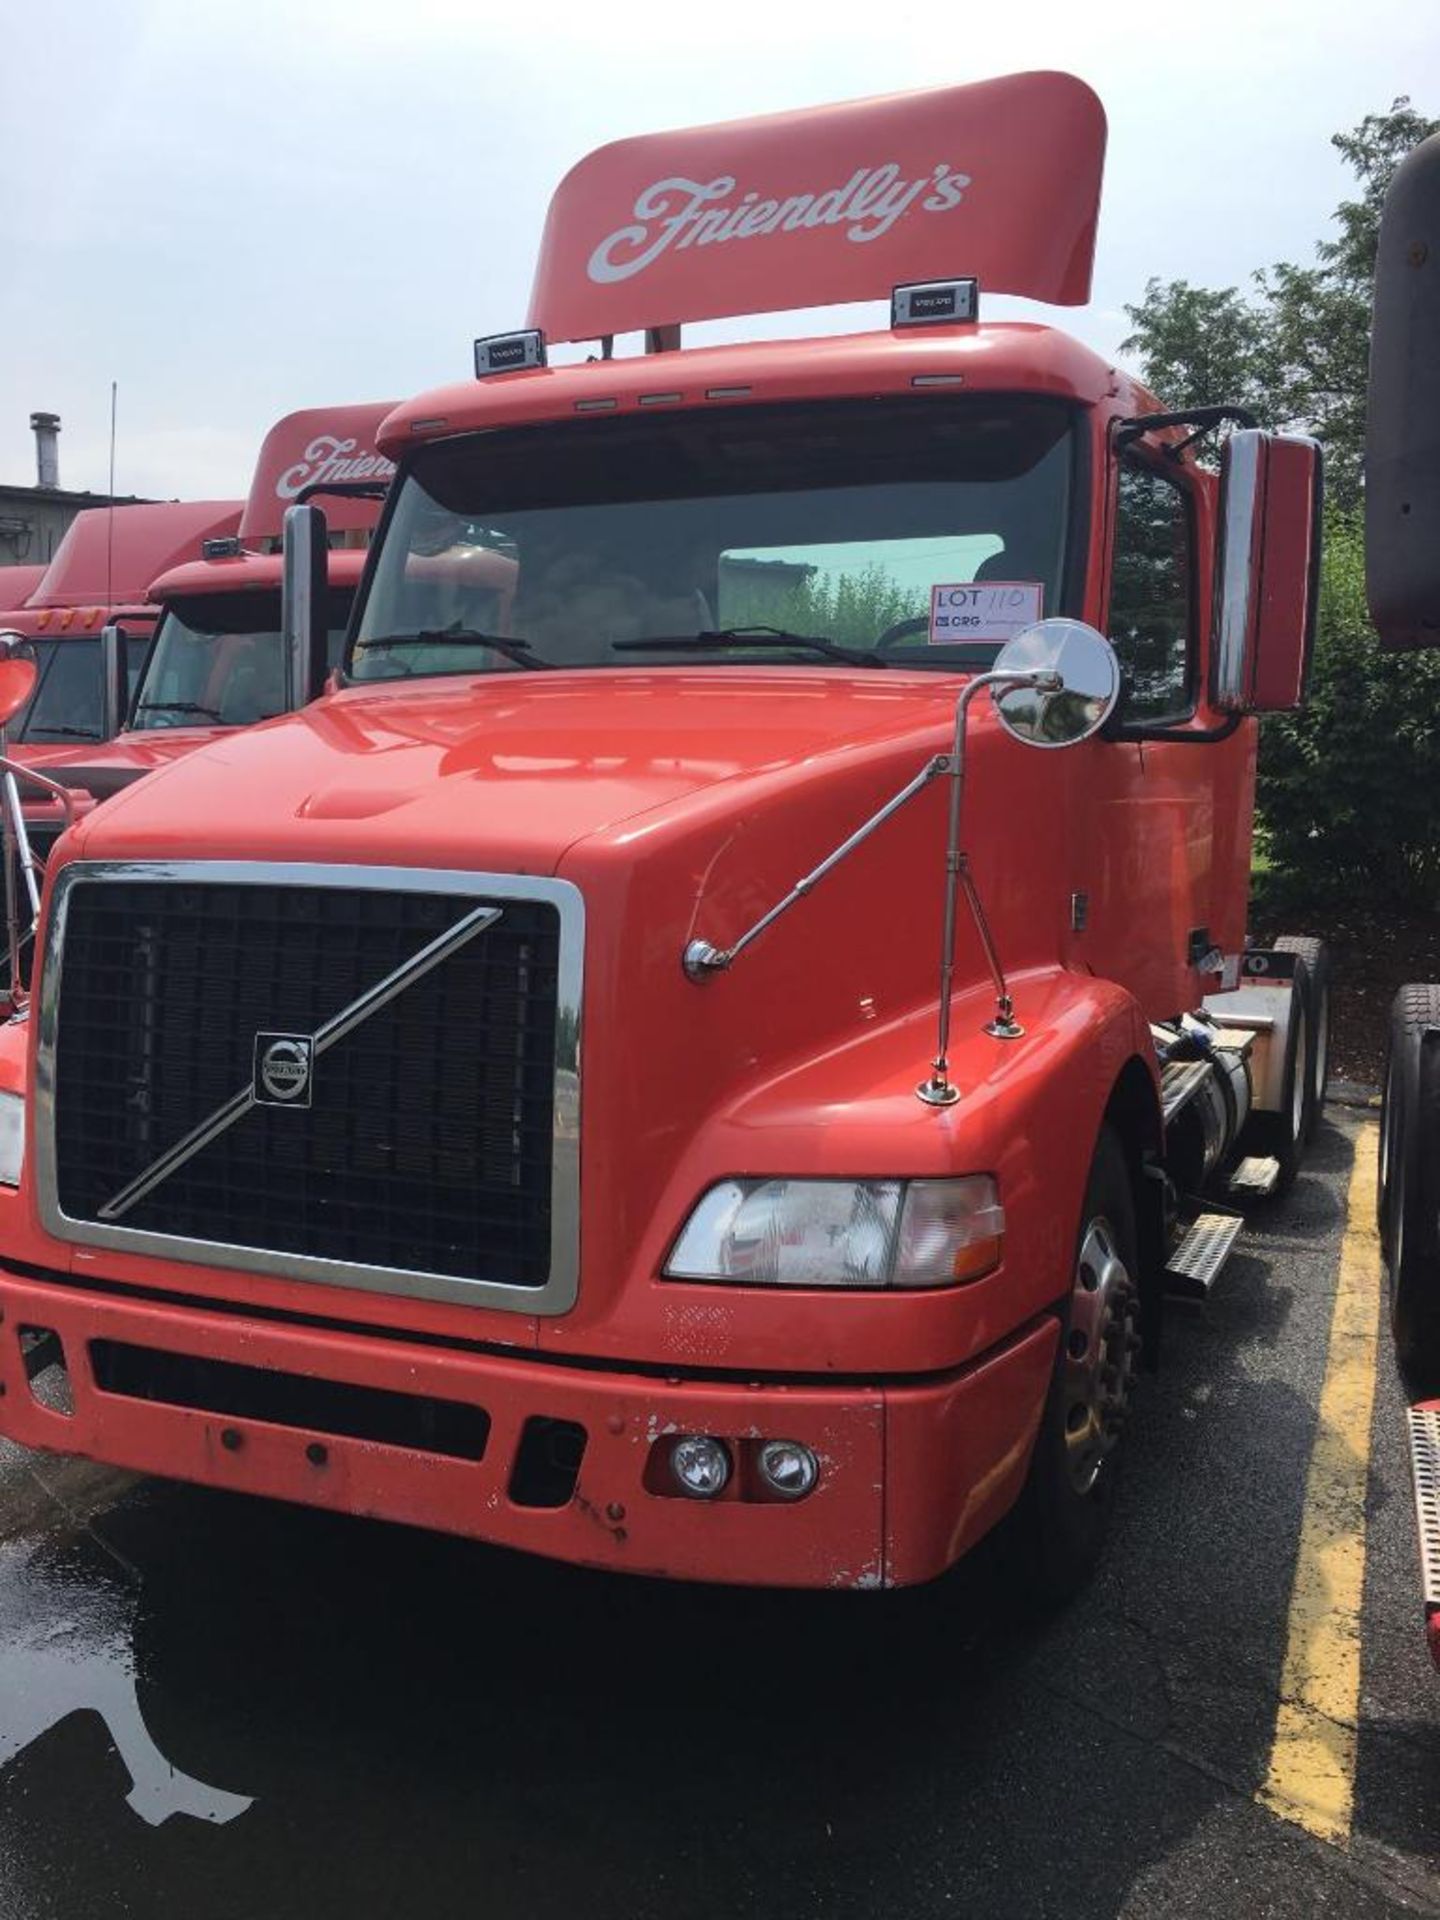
(319, 446)
(999, 181)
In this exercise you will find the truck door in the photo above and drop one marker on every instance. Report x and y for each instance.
(1146, 810)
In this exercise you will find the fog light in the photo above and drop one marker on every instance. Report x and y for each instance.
(701, 1466)
(788, 1469)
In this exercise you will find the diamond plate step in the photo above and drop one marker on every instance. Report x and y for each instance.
(1255, 1176)
(1195, 1263)
(1424, 1425)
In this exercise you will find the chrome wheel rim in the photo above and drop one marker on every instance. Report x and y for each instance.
(1101, 1348)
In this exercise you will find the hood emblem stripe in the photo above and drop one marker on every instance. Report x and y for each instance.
(335, 1029)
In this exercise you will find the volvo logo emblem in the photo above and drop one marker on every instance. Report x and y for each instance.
(282, 1076)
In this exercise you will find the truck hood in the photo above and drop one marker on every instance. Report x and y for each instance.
(104, 767)
(509, 771)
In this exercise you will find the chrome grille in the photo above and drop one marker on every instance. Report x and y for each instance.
(437, 1154)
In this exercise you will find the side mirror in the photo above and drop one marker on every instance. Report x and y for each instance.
(1402, 440)
(304, 603)
(1089, 672)
(19, 671)
(114, 682)
(1267, 572)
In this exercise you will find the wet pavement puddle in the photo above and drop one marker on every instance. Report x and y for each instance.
(66, 1648)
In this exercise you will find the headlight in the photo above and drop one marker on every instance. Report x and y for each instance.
(12, 1138)
(842, 1233)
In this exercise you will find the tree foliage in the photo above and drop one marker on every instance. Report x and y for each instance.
(853, 609)
(1347, 786)
(1295, 348)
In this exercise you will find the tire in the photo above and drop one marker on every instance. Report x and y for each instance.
(1285, 1134)
(1057, 1531)
(1316, 956)
(1409, 1188)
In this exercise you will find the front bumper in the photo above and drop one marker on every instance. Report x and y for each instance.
(910, 1475)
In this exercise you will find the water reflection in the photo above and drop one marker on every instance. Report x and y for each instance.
(67, 1647)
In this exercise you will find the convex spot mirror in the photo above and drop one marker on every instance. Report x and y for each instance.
(1080, 706)
(1267, 572)
(18, 673)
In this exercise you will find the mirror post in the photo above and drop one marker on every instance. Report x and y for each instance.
(304, 597)
(940, 1090)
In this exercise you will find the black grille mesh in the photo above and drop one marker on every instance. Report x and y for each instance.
(428, 1143)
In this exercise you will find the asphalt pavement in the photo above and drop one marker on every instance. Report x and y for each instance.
(322, 1716)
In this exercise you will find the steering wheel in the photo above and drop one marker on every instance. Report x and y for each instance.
(901, 630)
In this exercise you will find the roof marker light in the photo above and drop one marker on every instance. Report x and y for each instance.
(937, 379)
(224, 547)
(595, 406)
(660, 399)
(933, 303)
(505, 352)
(726, 393)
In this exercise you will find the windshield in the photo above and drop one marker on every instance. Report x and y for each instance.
(844, 522)
(68, 699)
(219, 661)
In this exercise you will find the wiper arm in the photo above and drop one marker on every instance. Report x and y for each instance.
(74, 733)
(177, 706)
(518, 651)
(715, 639)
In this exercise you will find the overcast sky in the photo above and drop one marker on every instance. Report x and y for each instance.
(238, 209)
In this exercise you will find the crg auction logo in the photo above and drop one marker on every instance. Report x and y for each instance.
(692, 213)
(329, 459)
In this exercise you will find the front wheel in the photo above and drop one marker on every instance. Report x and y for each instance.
(1058, 1528)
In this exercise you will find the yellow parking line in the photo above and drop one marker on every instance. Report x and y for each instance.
(1311, 1779)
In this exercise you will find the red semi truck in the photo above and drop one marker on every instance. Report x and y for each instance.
(1402, 562)
(100, 576)
(659, 1067)
(216, 659)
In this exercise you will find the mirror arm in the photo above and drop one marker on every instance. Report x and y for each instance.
(939, 1090)
(15, 843)
(701, 958)
(1203, 419)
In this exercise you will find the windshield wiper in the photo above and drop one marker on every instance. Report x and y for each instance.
(717, 638)
(518, 651)
(73, 733)
(178, 706)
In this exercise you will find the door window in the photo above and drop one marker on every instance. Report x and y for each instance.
(1151, 597)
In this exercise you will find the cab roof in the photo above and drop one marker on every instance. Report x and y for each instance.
(108, 557)
(248, 573)
(1014, 356)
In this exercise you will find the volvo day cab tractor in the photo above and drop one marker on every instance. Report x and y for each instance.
(216, 657)
(704, 1055)
(1402, 565)
(100, 576)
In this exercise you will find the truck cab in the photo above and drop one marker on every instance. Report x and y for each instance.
(99, 576)
(666, 1064)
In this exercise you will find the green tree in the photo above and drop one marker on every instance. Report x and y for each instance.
(1296, 350)
(1347, 785)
